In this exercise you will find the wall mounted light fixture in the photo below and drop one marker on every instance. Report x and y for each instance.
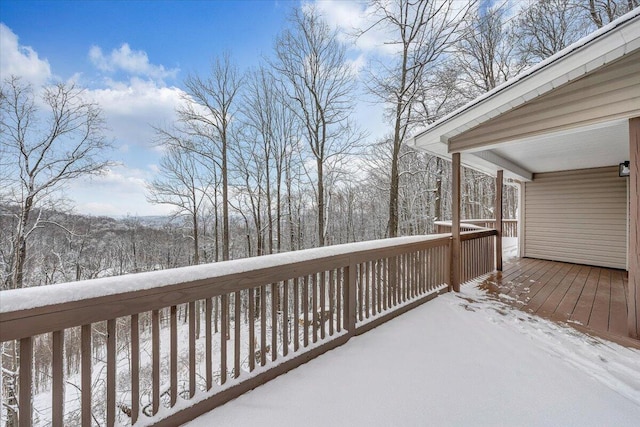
(624, 168)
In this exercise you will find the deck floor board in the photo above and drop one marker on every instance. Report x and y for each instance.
(592, 297)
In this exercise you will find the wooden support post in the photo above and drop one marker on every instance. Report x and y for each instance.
(634, 229)
(455, 222)
(349, 289)
(498, 211)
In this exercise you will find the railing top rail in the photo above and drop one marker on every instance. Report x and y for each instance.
(77, 303)
(482, 232)
(473, 221)
(463, 225)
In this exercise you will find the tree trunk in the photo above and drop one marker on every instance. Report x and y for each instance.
(20, 254)
(225, 202)
(321, 230)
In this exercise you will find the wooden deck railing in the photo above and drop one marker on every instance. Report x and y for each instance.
(509, 226)
(477, 246)
(161, 348)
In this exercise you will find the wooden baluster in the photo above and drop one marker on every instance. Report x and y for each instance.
(208, 342)
(111, 372)
(26, 379)
(322, 304)
(374, 289)
(332, 301)
(386, 300)
(173, 354)
(263, 325)
(285, 317)
(360, 288)
(192, 348)
(135, 368)
(237, 299)
(57, 373)
(416, 275)
(224, 332)
(314, 303)
(305, 308)
(274, 321)
(339, 309)
(296, 313)
(155, 368)
(252, 330)
(367, 283)
(86, 375)
(380, 282)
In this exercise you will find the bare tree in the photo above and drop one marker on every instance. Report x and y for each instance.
(46, 143)
(484, 57)
(182, 183)
(207, 118)
(602, 12)
(311, 60)
(271, 132)
(546, 27)
(421, 31)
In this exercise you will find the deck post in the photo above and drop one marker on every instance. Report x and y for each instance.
(634, 229)
(498, 210)
(349, 305)
(455, 222)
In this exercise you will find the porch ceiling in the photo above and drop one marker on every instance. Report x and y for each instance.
(605, 144)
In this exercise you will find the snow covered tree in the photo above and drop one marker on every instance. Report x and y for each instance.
(311, 60)
(421, 31)
(48, 139)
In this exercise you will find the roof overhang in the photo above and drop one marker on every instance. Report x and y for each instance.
(517, 155)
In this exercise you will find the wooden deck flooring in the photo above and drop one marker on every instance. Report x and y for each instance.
(590, 298)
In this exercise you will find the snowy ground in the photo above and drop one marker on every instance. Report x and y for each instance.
(458, 360)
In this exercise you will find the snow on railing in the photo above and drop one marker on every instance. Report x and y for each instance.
(163, 347)
(509, 226)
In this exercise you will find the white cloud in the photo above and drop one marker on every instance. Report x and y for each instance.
(350, 18)
(132, 108)
(133, 62)
(127, 192)
(21, 61)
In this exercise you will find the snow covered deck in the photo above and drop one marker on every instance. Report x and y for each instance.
(590, 298)
(461, 359)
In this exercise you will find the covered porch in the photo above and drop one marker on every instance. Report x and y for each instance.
(568, 131)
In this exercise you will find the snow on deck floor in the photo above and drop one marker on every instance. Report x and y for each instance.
(457, 360)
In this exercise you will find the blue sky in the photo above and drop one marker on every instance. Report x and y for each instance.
(132, 57)
(176, 34)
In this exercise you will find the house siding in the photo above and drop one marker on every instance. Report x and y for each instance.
(577, 216)
(611, 93)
